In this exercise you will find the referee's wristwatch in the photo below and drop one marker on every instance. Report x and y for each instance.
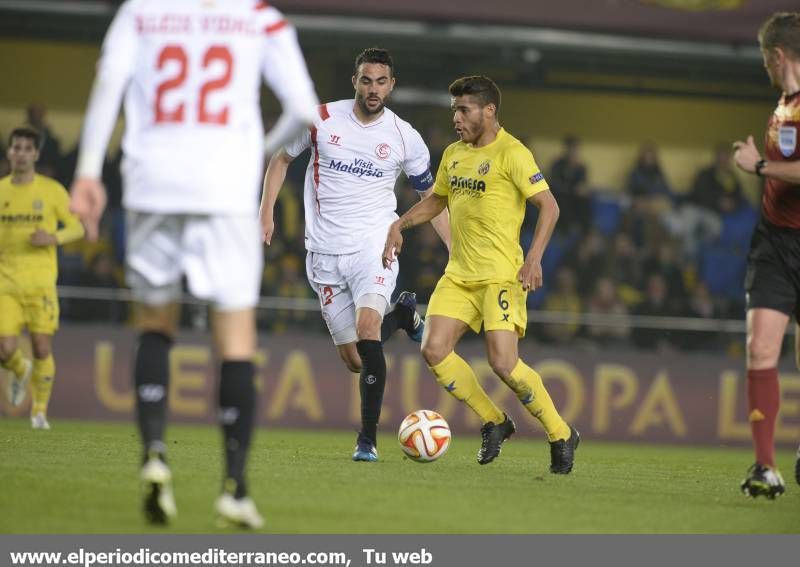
(760, 165)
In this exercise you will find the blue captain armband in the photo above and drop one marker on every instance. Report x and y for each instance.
(423, 181)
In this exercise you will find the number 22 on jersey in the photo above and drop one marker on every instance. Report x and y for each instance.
(171, 54)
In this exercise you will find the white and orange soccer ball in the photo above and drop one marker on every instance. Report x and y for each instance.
(424, 436)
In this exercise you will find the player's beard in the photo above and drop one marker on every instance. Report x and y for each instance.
(471, 134)
(361, 101)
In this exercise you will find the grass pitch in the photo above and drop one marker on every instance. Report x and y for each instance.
(81, 477)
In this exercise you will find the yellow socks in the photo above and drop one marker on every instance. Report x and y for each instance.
(44, 370)
(456, 376)
(16, 363)
(528, 386)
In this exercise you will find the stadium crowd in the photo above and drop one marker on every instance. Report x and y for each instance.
(642, 249)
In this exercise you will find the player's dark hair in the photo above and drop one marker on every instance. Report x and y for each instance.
(25, 132)
(374, 55)
(482, 88)
(781, 30)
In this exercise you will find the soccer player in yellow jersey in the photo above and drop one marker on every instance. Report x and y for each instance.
(486, 180)
(31, 207)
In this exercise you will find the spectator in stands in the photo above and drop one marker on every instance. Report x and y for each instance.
(563, 299)
(100, 274)
(655, 304)
(624, 264)
(568, 181)
(115, 214)
(716, 192)
(651, 198)
(605, 301)
(716, 187)
(700, 305)
(67, 165)
(665, 262)
(293, 285)
(429, 265)
(289, 217)
(112, 177)
(50, 152)
(438, 140)
(588, 257)
(647, 180)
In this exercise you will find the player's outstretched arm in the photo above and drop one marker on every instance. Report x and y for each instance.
(71, 229)
(422, 212)
(530, 275)
(284, 70)
(747, 157)
(88, 201)
(746, 154)
(441, 222)
(114, 69)
(273, 181)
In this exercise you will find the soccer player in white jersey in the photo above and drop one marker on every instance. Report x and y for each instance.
(358, 149)
(190, 72)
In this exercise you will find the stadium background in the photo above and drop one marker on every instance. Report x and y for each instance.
(661, 361)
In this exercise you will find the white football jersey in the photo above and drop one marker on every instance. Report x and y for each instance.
(349, 185)
(190, 72)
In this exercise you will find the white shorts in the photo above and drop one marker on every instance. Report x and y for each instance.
(220, 255)
(345, 282)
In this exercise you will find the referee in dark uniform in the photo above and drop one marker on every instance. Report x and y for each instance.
(773, 264)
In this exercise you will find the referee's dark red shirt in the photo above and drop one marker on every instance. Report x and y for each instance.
(781, 200)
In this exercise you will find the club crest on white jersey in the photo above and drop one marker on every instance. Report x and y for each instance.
(349, 186)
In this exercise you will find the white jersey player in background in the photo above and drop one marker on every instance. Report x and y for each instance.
(358, 149)
(190, 72)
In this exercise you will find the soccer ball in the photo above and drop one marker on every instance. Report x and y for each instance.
(424, 436)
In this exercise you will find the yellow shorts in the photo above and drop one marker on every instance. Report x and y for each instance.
(38, 311)
(498, 306)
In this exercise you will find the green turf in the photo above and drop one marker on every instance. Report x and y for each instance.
(82, 478)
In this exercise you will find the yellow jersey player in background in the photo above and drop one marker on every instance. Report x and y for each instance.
(486, 180)
(31, 208)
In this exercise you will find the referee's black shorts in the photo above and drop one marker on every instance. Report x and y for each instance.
(773, 269)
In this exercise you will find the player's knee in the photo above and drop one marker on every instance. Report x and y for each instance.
(434, 352)
(41, 345)
(369, 330)
(369, 317)
(160, 319)
(762, 353)
(351, 359)
(7, 348)
(353, 364)
(41, 349)
(502, 366)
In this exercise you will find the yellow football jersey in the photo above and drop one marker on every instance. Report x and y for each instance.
(486, 190)
(43, 203)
